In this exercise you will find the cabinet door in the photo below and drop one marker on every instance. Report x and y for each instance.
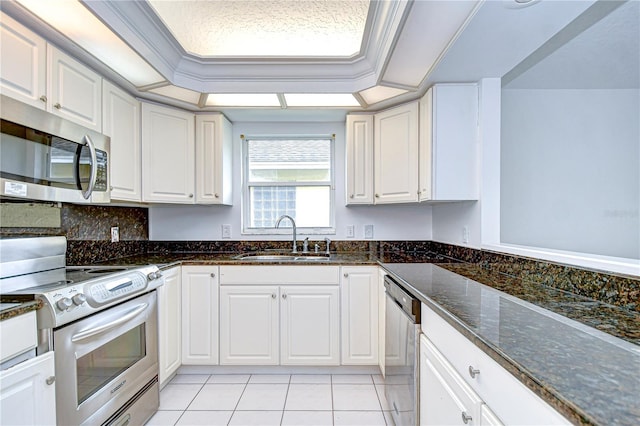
(121, 122)
(359, 159)
(169, 325)
(168, 150)
(396, 155)
(310, 329)
(200, 315)
(382, 315)
(26, 397)
(23, 56)
(359, 308)
(449, 146)
(214, 154)
(75, 92)
(445, 399)
(249, 325)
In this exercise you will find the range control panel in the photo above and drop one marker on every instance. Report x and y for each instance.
(105, 292)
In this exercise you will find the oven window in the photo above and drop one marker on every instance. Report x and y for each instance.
(101, 366)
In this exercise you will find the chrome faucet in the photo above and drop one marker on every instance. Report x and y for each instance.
(293, 223)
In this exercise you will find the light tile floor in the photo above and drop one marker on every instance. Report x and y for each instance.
(273, 399)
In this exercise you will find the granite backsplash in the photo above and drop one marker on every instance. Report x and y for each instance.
(88, 232)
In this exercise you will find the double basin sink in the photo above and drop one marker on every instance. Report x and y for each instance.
(290, 257)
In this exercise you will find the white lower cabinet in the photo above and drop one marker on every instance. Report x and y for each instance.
(359, 296)
(27, 392)
(249, 325)
(169, 324)
(310, 325)
(445, 399)
(503, 398)
(279, 315)
(199, 315)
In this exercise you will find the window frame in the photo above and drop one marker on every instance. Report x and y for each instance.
(245, 198)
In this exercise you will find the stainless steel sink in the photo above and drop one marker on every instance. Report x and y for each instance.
(281, 258)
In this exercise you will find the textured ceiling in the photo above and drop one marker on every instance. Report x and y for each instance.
(276, 28)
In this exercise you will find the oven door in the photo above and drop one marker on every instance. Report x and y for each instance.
(102, 361)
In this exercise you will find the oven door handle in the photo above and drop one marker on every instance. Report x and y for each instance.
(108, 326)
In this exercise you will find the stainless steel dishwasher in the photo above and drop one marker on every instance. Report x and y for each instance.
(402, 329)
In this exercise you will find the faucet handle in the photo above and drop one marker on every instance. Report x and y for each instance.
(328, 241)
(305, 245)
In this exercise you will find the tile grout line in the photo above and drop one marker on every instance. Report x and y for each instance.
(285, 399)
(233, 412)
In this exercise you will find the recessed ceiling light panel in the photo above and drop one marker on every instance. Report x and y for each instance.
(321, 100)
(376, 94)
(179, 93)
(275, 28)
(243, 99)
(72, 19)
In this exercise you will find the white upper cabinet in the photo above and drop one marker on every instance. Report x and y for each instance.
(121, 122)
(449, 143)
(214, 154)
(75, 91)
(359, 159)
(168, 151)
(38, 74)
(23, 55)
(396, 155)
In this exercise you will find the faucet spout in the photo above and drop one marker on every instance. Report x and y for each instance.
(293, 223)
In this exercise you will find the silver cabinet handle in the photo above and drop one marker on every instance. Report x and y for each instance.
(43, 98)
(345, 275)
(284, 296)
(473, 372)
(57, 106)
(466, 418)
(190, 195)
(377, 196)
(213, 275)
(50, 380)
(273, 296)
(216, 195)
(351, 196)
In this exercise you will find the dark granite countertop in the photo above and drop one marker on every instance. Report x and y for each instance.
(589, 376)
(13, 306)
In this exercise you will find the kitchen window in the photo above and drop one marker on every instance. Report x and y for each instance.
(292, 176)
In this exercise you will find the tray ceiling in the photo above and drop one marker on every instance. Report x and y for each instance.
(231, 53)
(276, 28)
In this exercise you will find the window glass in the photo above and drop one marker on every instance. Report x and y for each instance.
(290, 176)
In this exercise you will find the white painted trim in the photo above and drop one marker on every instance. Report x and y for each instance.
(489, 134)
(591, 261)
(489, 123)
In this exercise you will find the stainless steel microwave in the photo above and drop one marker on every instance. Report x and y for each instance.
(45, 157)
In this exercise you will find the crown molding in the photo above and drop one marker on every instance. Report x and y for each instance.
(138, 25)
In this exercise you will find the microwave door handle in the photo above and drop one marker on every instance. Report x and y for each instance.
(84, 334)
(94, 167)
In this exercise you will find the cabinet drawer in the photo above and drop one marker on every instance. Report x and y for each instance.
(270, 275)
(17, 335)
(445, 398)
(511, 400)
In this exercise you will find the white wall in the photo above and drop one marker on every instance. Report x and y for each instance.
(571, 170)
(391, 222)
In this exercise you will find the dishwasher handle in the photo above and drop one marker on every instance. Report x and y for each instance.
(408, 303)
